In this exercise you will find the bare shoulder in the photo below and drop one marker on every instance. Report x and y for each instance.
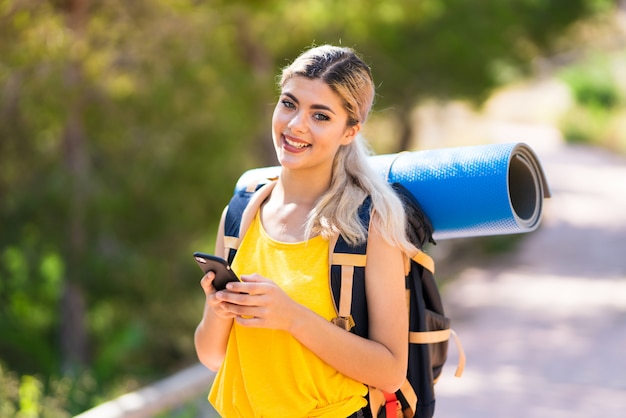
(376, 241)
(383, 257)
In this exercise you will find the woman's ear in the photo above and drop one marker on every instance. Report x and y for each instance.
(350, 134)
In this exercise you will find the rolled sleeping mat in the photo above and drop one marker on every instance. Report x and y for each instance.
(470, 191)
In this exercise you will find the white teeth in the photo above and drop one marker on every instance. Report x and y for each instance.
(296, 144)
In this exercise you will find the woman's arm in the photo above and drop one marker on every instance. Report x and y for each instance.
(211, 336)
(379, 361)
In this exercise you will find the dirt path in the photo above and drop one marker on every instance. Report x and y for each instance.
(544, 328)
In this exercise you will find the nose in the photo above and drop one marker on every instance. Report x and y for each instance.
(297, 123)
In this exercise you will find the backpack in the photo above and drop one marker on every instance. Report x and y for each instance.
(429, 328)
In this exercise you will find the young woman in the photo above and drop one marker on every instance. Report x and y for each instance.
(270, 336)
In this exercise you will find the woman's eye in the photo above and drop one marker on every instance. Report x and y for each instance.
(288, 104)
(321, 117)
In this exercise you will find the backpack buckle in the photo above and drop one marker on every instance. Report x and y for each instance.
(345, 322)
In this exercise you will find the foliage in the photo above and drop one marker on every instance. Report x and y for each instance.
(124, 125)
(599, 113)
(24, 397)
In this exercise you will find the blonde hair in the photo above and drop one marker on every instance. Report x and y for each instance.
(352, 178)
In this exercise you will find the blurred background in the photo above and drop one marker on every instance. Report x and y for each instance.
(124, 126)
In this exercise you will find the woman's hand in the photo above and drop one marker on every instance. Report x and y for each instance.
(256, 302)
(219, 307)
(213, 331)
(211, 336)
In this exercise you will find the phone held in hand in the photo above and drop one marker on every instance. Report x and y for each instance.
(219, 266)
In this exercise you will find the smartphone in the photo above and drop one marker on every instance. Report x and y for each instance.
(219, 266)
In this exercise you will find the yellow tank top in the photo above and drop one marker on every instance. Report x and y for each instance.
(268, 373)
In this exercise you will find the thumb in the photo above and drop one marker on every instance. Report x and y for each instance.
(207, 282)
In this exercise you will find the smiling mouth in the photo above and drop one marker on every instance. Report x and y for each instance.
(296, 144)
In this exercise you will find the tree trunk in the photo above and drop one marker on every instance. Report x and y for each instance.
(73, 334)
(73, 331)
(406, 129)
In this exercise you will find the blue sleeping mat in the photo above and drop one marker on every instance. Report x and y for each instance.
(470, 191)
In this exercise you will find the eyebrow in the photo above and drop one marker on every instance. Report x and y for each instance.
(313, 106)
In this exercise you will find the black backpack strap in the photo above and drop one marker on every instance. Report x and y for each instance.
(419, 228)
(240, 213)
(347, 279)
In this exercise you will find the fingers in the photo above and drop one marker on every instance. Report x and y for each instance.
(248, 312)
(254, 278)
(238, 295)
(254, 301)
(207, 282)
(253, 284)
(245, 298)
(229, 304)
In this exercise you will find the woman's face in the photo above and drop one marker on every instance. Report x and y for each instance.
(309, 125)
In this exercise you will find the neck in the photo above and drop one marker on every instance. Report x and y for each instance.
(288, 207)
(303, 187)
